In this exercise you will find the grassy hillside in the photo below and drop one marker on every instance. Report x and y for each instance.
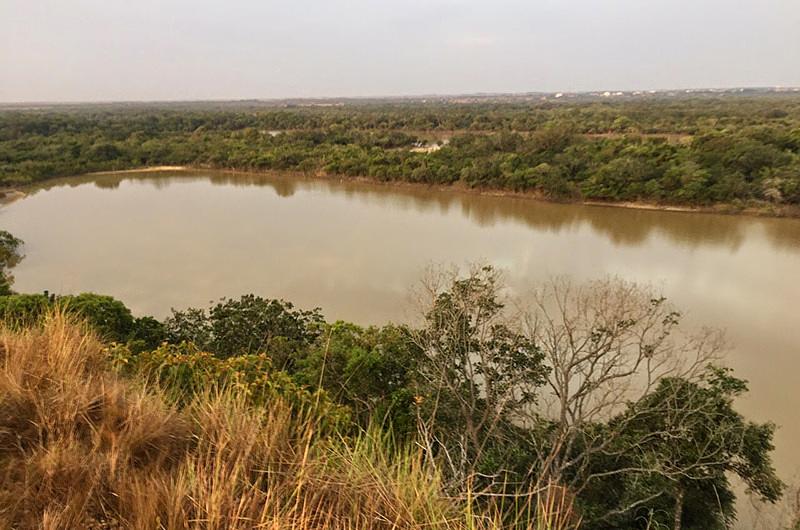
(82, 447)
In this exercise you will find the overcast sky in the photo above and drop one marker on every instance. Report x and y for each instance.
(90, 50)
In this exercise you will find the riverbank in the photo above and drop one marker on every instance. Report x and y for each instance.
(764, 210)
(10, 194)
(729, 157)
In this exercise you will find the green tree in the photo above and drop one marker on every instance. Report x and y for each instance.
(110, 317)
(371, 370)
(10, 256)
(248, 325)
(694, 439)
(480, 372)
(23, 309)
(147, 333)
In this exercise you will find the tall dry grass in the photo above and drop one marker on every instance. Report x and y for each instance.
(81, 447)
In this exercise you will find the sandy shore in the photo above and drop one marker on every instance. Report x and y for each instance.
(148, 169)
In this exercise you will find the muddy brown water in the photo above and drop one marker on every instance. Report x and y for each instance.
(162, 240)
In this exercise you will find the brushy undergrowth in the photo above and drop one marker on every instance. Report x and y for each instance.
(84, 447)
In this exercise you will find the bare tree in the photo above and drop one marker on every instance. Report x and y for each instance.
(597, 380)
(626, 381)
(608, 343)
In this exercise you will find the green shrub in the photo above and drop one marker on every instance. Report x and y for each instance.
(185, 372)
(107, 315)
(23, 309)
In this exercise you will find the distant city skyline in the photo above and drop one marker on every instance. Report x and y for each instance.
(175, 50)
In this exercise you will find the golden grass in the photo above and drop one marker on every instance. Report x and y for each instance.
(81, 447)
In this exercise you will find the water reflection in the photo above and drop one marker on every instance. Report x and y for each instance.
(623, 227)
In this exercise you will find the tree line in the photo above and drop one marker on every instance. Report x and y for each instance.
(740, 152)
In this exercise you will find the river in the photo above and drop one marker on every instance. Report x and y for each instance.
(164, 240)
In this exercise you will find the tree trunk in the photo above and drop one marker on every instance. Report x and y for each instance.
(676, 522)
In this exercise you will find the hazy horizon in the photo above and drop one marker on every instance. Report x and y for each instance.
(415, 96)
(176, 50)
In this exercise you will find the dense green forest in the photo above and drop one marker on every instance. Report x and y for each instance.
(740, 151)
(456, 411)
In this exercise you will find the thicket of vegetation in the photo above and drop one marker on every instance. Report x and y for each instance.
(739, 151)
(590, 408)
